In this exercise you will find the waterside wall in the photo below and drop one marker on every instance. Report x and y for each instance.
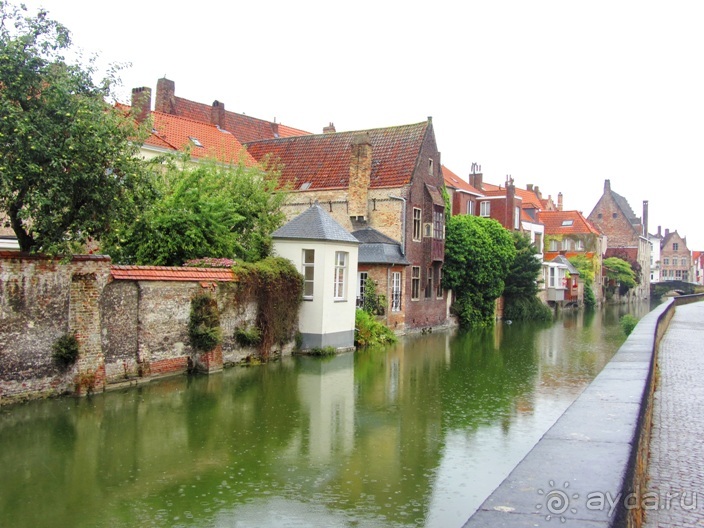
(590, 468)
(128, 330)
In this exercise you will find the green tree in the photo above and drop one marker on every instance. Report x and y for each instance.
(68, 165)
(478, 255)
(207, 210)
(585, 266)
(620, 274)
(521, 289)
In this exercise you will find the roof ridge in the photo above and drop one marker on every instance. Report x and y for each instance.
(338, 134)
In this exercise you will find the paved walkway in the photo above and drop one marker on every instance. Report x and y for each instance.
(676, 467)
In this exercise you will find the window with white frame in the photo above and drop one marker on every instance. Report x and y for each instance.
(517, 218)
(554, 245)
(470, 207)
(430, 166)
(417, 225)
(361, 283)
(666, 261)
(415, 283)
(552, 277)
(339, 289)
(484, 208)
(567, 244)
(579, 245)
(396, 291)
(308, 273)
(675, 246)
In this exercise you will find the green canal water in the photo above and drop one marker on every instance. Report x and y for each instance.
(418, 434)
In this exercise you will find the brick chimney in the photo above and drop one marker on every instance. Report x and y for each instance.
(141, 102)
(537, 192)
(217, 114)
(165, 96)
(607, 186)
(529, 187)
(510, 204)
(645, 218)
(667, 231)
(476, 176)
(559, 201)
(330, 129)
(659, 231)
(360, 175)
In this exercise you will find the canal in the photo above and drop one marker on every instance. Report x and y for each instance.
(418, 434)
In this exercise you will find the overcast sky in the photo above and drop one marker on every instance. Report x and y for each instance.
(559, 94)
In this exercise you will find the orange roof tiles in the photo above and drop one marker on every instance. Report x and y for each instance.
(556, 223)
(454, 181)
(323, 161)
(180, 133)
(168, 273)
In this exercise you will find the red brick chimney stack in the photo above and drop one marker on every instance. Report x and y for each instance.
(141, 102)
(165, 96)
(330, 129)
(559, 201)
(645, 218)
(476, 176)
(217, 114)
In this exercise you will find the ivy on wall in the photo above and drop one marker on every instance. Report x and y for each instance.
(277, 287)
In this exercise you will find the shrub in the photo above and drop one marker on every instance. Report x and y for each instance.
(527, 309)
(628, 323)
(64, 351)
(210, 262)
(369, 332)
(324, 351)
(204, 324)
(248, 336)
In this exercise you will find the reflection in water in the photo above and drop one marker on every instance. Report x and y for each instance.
(414, 435)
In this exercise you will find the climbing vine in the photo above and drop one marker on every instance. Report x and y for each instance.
(277, 287)
(204, 324)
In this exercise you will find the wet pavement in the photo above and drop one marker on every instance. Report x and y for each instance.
(676, 466)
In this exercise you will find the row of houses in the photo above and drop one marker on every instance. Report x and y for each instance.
(383, 188)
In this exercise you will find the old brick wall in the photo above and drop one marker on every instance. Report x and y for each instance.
(40, 300)
(125, 328)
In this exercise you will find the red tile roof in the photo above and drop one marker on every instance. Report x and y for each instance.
(530, 199)
(554, 220)
(455, 182)
(180, 133)
(244, 127)
(167, 273)
(323, 160)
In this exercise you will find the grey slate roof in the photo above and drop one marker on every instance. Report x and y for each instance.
(561, 259)
(314, 224)
(377, 248)
(625, 208)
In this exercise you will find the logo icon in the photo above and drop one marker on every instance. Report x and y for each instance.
(557, 501)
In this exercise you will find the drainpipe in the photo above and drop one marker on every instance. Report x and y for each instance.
(403, 224)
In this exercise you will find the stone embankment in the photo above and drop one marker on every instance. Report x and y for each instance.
(590, 469)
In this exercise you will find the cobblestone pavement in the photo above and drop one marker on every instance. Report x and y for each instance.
(676, 466)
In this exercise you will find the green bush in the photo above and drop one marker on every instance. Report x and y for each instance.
(628, 323)
(527, 309)
(589, 297)
(248, 336)
(64, 351)
(204, 324)
(369, 332)
(324, 351)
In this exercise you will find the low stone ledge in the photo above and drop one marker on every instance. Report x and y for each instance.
(583, 471)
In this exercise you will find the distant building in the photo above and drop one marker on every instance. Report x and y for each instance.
(626, 235)
(676, 258)
(655, 258)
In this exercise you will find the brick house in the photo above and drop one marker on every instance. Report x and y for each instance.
(463, 197)
(569, 233)
(386, 179)
(698, 267)
(626, 235)
(675, 258)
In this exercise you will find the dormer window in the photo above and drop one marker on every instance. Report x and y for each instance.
(195, 141)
